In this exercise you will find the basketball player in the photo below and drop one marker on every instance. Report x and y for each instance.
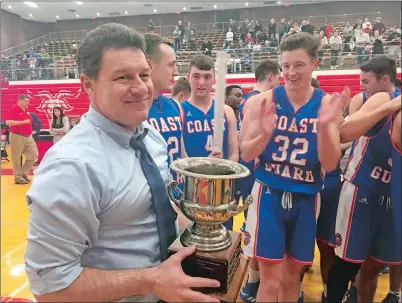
(267, 76)
(165, 114)
(181, 90)
(281, 223)
(233, 97)
(199, 116)
(363, 226)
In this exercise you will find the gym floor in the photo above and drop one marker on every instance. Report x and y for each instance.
(14, 222)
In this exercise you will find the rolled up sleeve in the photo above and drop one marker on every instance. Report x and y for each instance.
(64, 204)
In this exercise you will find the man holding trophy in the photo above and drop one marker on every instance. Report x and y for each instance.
(100, 218)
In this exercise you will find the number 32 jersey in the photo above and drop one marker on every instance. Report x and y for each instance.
(199, 129)
(290, 160)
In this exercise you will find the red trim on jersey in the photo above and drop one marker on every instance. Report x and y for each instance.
(297, 261)
(352, 207)
(390, 134)
(258, 216)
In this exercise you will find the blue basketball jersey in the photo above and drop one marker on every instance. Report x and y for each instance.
(290, 160)
(199, 129)
(165, 115)
(369, 164)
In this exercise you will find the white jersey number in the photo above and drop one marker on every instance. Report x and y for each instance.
(284, 146)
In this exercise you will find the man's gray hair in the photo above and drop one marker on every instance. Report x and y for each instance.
(106, 36)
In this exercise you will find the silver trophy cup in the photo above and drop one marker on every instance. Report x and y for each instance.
(208, 199)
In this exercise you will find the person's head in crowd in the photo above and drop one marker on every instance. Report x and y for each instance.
(378, 75)
(181, 90)
(299, 58)
(267, 75)
(115, 74)
(162, 60)
(201, 75)
(234, 96)
(23, 101)
(315, 83)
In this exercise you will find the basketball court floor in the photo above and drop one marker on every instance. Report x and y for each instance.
(14, 222)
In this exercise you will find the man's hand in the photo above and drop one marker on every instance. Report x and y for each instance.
(218, 155)
(171, 284)
(267, 117)
(26, 121)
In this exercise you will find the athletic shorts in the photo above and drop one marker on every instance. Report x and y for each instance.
(365, 227)
(280, 223)
(329, 205)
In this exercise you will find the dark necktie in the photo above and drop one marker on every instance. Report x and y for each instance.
(165, 215)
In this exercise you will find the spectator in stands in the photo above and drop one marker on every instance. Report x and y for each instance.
(272, 29)
(356, 28)
(251, 28)
(151, 26)
(347, 32)
(328, 29)
(192, 42)
(394, 43)
(367, 29)
(379, 26)
(362, 40)
(283, 29)
(323, 45)
(44, 62)
(336, 47)
(188, 31)
(233, 97)
(73, 50)
(182, 32)
(229, 37)
(21, 140)
(101, 220)
(308, 27)
(207, 47)
(60, 125)
(177, 38)
(258, 27)
(378, 44)
(181, 90)
(249, 39)
(243, 30)
(366, 23)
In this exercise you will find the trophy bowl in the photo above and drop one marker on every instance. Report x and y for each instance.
(208, 199)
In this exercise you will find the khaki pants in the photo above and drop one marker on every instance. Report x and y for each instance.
(22, 145)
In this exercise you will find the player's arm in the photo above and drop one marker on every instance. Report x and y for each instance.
(183, 148)
(258, 125)
(356, 103)
(328, 138)
(396, 130)
(373, 110)
(233, 140)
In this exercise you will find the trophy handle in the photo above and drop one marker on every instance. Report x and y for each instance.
(240, 208)
(175, 186)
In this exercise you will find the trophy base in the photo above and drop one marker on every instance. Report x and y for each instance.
(219, 265)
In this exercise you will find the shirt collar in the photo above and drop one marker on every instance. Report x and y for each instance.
(118, 133)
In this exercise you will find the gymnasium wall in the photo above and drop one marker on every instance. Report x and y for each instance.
(69, 95)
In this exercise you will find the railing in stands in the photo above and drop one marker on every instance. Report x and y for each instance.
(239, 61)
(168, 29)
